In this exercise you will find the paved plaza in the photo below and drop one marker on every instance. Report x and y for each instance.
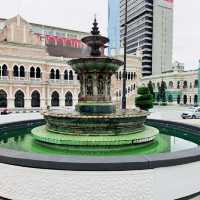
(172, 113)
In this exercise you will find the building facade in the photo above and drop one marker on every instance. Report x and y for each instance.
(32, 79)
(150, 25)
(182, 87)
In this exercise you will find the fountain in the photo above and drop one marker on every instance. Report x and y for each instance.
(99, 151)
(96, 121)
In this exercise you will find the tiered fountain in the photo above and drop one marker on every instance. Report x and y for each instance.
(96, 121)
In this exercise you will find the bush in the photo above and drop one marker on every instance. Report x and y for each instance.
(145, 100)
(143, 90)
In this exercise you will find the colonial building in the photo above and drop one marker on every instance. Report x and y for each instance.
(182, 87)
(34, 73)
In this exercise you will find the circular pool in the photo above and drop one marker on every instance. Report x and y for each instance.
(167, 141)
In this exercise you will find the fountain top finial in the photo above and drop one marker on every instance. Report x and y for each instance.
(95, 28)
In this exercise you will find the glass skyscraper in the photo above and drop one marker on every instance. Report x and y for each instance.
(114, 24)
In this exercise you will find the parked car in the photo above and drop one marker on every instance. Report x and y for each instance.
(5, 112)
(192, 113)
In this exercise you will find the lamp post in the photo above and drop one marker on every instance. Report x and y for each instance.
(124, 71)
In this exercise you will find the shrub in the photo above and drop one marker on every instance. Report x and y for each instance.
(145, 100)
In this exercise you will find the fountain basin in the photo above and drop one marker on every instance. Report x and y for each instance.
(95, 64)
(119, 123)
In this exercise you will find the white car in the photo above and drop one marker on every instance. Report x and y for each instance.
(192, 113)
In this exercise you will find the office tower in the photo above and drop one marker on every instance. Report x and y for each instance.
(150, 25)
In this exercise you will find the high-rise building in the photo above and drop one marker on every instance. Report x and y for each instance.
(150, 25)
(113, 25)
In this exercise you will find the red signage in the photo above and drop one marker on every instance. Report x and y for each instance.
(64, 41)
(169, 1)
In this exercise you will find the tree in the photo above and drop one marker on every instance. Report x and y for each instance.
(162, 92)
(150, 86)
(145, 100)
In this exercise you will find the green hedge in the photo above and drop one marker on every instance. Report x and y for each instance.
(145, 100)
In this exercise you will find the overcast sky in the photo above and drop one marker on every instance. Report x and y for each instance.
(78, 14)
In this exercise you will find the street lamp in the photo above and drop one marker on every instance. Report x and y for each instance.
(124, 71)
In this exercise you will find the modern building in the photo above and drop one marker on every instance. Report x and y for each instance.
(182, 87)
(150, 25)
(113, 25)
(34, 73)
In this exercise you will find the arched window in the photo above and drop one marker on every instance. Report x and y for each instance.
(15, 71)
(22, 71)
(195, 99)
(38, 72)
(185, 85)
(57, 74)
(134, 76)
(178, 99)
(117, 94)
(158, 85)
(185, 99)
(71, 76)
(178, 84)
(55, 99)
(19, 99)
(52, 74)
(134, 86)
(68, 99)
(131, 75)
(171, 85)
(120, 93)
(4, 70)
(120, 76)
(3, 99)
(170, 98)
(190, 85)
(32, 72)
(35, 99)
(196, 84)
(66, 75)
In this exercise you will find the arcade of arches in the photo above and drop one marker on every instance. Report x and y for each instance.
(181, 87)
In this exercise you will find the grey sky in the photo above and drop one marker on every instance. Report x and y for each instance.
(78, 14)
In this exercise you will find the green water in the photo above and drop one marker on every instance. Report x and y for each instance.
(22, 140)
